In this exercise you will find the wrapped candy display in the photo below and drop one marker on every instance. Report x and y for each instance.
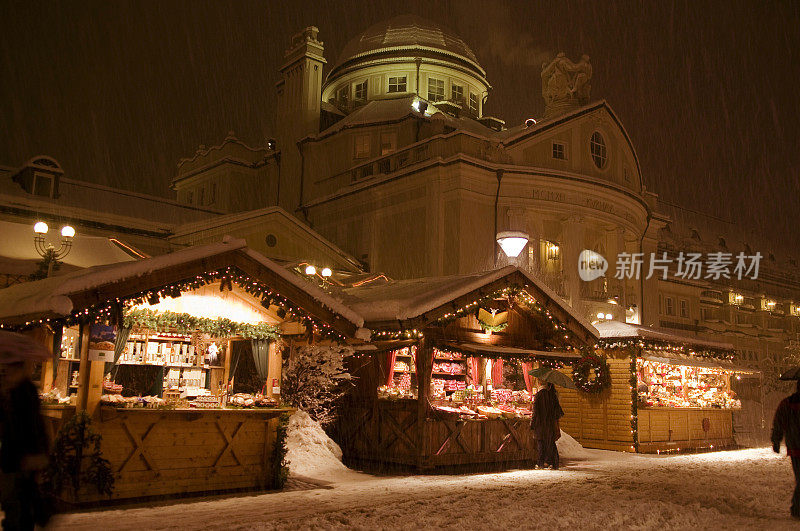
(677, 386)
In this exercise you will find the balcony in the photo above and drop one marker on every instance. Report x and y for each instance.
(443, 146)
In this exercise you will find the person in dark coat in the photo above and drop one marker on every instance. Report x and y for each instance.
(23, 448)
(786, 424)
(546, 413)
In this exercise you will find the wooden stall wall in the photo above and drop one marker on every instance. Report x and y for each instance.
(686, 428)
(601, 420)
(163, 453)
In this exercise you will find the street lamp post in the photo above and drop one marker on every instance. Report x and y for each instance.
(46, 250)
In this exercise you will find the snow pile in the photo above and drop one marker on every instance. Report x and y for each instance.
(310, 452)
(570, 448)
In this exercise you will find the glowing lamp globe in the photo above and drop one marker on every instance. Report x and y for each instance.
(512, 242)
(326, 272)
(67, 231)
(311, 270)
(40, 227)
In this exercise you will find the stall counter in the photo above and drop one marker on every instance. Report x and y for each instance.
(168, 452)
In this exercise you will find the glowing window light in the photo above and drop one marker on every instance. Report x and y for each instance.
(210, 307)
(512, 242)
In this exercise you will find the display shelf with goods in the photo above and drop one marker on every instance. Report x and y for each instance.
(680, 386)
(68, 363)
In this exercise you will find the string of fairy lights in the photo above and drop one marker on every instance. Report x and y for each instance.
(113, 310)
(517, 293)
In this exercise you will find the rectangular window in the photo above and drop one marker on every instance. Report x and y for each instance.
(42, 185)
(559, 151)
(397, 84)
(457, 94)
(362, 148)
(211, 196)
(388, 142)
(669, 304)
(684, 309)
(435, 89)
(343, 95)
(361, 91)
(473, 102)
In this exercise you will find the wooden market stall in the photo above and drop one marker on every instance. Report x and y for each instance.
(153, 351)
(444, 381)
(666, 393)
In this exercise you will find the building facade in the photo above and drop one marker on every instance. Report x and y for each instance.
(385, 160)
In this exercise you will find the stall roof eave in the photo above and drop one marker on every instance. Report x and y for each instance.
(670, 358)
(60, 296)
(611, 330)
(497, 350)
(414, 303)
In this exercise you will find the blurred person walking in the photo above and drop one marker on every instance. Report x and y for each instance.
(786, 424)
(23, 440)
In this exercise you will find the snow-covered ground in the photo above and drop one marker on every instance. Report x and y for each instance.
(594, 489)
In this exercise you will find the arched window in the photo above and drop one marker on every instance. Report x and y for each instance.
(597, 146)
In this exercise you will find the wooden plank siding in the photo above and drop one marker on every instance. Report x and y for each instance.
(601, 420)
(672, 429)
(175, 452)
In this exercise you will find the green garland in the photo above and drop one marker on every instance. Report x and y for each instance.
(184, 323)
(493, 328)
(582, 368)
(280, 468)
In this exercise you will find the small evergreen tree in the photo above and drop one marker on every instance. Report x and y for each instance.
(76, 459)
(314, 379)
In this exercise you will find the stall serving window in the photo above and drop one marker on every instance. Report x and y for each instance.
(682, 386)
(468, 386)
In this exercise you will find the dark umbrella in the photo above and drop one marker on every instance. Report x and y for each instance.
(554, 377)
(791, 374)
(16, 347)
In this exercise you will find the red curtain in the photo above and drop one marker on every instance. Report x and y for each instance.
(474, 371)
(391, 357)
(497, 373)
(526, 368)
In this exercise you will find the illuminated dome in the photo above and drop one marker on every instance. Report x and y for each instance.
(405, 44)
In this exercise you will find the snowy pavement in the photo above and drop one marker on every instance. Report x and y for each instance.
(734, 490)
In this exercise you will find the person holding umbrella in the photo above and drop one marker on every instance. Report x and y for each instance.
(786, 424)
(23, 440)
(546, 414)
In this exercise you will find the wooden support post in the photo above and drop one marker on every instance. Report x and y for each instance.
(227, 371)
(424, 368)
(83, 368)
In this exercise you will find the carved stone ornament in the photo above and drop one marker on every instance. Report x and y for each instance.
(565, 85)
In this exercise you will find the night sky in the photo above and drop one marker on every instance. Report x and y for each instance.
(118, 91)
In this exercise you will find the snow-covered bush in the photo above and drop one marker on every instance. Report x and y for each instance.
(314, 379)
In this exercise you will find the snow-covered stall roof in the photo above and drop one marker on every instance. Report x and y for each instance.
(51, 297)
(617, 330)
(401, 300)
